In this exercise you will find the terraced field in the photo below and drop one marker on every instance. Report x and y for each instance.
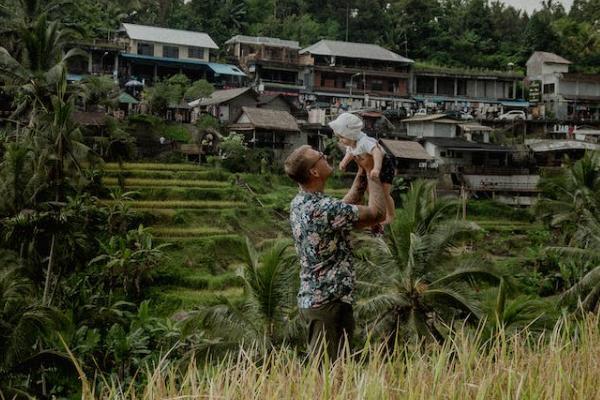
(204, 216)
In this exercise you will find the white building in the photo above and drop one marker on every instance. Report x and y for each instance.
(564, 95)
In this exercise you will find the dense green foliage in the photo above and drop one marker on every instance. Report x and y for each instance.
(463, 33)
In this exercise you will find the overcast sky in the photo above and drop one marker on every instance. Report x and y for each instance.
(530, 5)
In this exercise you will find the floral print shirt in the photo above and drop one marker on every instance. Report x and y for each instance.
(321, 226)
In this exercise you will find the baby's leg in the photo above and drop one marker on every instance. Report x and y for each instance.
(390, 207)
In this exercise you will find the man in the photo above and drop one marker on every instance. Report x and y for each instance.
(321, 227)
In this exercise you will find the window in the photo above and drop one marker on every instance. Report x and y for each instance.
(195, 52)
(145, 49)
(170, 52)
(549, 88)
(376, 84)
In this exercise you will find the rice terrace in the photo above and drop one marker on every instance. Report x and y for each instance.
(252, 199)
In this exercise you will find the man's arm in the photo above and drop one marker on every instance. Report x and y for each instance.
(356, 193)
(374, 212)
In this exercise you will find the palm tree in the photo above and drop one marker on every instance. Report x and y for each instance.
(34, 73)
(584, 247)
(568, 195)
(16, 173)
(24, 326)
(266, 314)
(412, 287)
(572, 201)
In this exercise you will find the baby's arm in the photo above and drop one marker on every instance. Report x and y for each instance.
(377, 154)
(345, 161)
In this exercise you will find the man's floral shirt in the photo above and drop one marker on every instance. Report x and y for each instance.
(321, 227)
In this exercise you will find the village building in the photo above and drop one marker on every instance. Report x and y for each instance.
(275, 130)
(153, 53)
(563, 95)
(270, 63)
(102, 58)
(225, 105)
(555, 152)
(277, 102)
(480, 93)
(344, 75)
(434, 125)
(412, 161)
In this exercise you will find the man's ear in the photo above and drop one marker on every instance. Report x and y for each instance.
(314, 172)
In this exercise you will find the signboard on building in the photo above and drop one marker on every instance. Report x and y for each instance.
(534, 92)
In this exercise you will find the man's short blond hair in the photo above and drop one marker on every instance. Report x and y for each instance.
(297, 164)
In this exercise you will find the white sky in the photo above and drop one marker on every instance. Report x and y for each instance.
(530, 5)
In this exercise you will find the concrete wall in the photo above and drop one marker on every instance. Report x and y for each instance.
(444, 130)
(502, 182)
(158, 50)
(430, 129)
(419, 129)
(553, 68)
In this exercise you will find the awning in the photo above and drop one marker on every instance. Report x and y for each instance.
(126, 98)
(523, 104)
(225, 69)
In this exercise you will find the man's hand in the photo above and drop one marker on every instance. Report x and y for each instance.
(365, 163)
(342, 166)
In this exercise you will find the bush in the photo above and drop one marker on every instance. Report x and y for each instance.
(237, 157)
(496, 210)
(176, 132)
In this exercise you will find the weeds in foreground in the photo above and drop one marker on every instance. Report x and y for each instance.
(561, 363)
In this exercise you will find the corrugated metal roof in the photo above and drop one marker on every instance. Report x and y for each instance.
(475, 128)
(171, 36)
(226, 69)
(275, 42)
(431, 117)
(464, 145)
(222, 96)
(406, 149)
(543, 145)
(354, 50)
(545, 57)
(271, 119)
(126, 98)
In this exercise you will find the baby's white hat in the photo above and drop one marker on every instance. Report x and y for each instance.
(347, 125)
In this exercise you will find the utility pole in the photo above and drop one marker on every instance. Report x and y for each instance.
(347, 17)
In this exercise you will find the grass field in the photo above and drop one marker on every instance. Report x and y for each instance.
(562, 364)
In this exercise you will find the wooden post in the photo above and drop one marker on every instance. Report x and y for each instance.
(463, 196)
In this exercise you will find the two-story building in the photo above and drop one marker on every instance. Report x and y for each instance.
(153, 53)
(564, 95)
(270, 63)
(474, 91)
(355, 75)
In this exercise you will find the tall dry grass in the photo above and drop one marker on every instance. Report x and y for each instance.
(560, 364)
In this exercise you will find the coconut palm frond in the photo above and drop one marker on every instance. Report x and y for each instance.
(574, 253)
(374, 307)
(448, 297)
(470, 271)
(588, 283)
(591, 301)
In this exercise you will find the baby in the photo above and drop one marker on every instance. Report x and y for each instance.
(348, 129)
